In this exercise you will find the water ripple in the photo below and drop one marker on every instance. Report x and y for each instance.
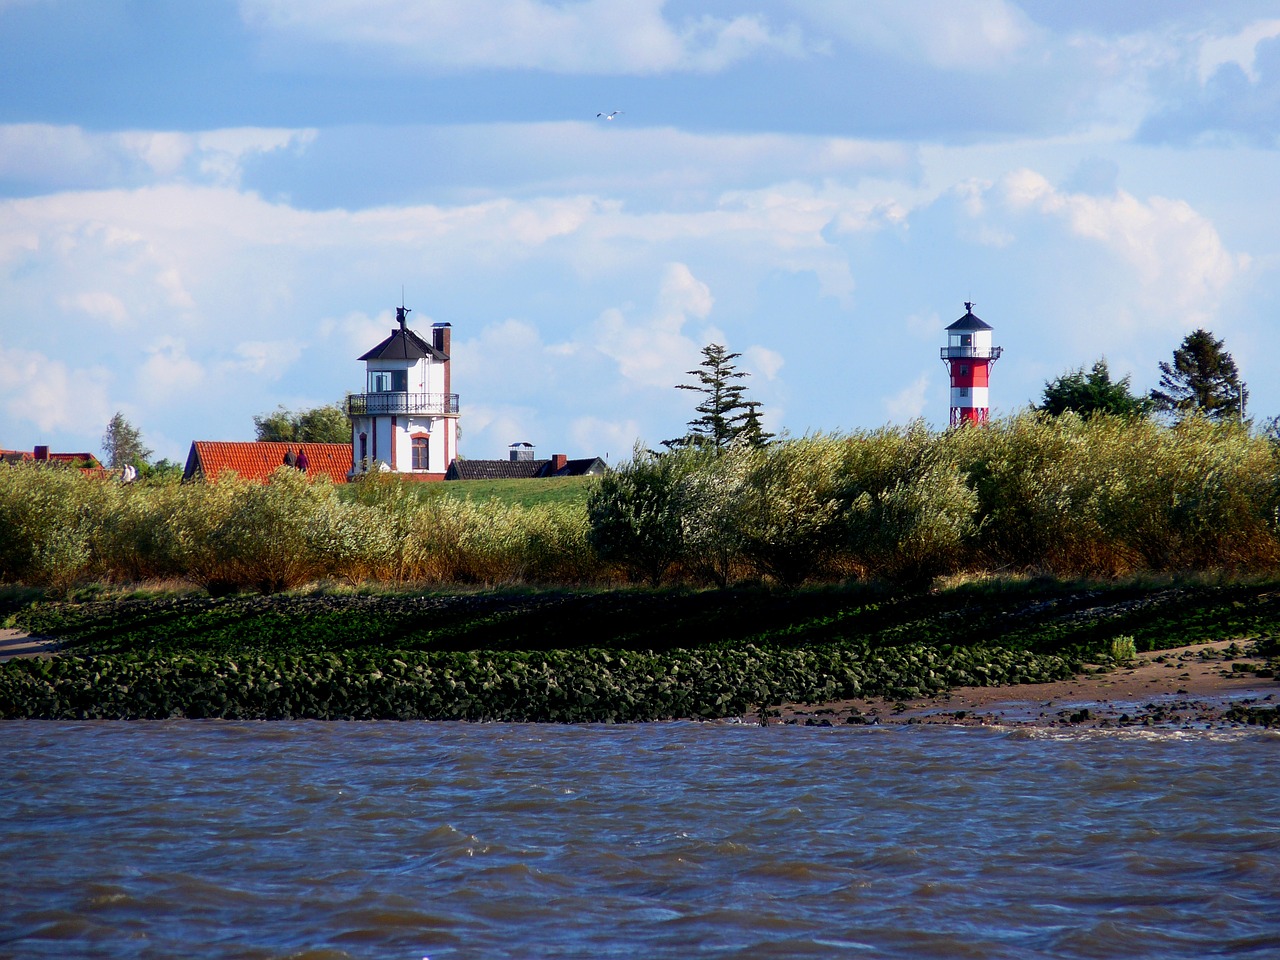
(347, 840)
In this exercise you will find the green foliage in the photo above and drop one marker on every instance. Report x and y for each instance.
(791, 510)
(327, 424)
(636, 514)
(1123, 649)
(122, 444)
(1203, 380)
(1064, 496)
(1091, 393)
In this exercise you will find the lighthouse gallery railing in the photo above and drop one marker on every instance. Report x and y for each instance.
(972, 353)
(364, 404)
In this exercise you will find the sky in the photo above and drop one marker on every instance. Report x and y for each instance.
(208, 211)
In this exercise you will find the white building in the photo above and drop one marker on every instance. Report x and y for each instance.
(407, 418)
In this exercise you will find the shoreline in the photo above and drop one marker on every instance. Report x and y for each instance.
(18, 644)
(1190, 687)
(1181, 686)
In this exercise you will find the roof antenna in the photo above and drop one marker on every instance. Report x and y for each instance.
(402, 310)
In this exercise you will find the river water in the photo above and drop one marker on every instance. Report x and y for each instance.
(415, 840)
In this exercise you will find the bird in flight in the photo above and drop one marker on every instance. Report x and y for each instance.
(609, 116)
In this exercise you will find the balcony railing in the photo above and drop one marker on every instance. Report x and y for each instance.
(364, 404)
(972, 353)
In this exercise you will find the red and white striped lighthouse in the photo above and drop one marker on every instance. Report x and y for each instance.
(968, 356)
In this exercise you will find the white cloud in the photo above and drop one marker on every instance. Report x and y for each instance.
(763, 361)
(586, 36)
(966, 35)
(611, 440)
(99, 305)
(654, 351)
(268, 356)
(169, 373)
(909, 402)
(1240, 48)
(1176, 255)
(62, 157)
(52, 395)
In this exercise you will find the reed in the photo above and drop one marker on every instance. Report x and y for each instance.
(1058, 496)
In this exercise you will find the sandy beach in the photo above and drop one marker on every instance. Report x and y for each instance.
(15, 643)
(1183, 686)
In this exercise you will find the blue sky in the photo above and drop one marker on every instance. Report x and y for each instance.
(210, 210)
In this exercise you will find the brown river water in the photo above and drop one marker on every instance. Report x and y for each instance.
(321, 841)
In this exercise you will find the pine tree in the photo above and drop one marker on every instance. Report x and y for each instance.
(1091, 393)
(1203, 379)
(122, 444)
(725, 412)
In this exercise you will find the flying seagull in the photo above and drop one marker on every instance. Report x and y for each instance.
(609, 116)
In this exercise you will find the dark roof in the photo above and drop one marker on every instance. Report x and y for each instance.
(404, 344)
(258, 459)
(523, 469)
(970, 322)
(494, 469)
(586, 467)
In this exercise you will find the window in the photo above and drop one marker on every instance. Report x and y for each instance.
(385, 381)
(421, 453)
(964, 371)
(966, 340)
(364, 449)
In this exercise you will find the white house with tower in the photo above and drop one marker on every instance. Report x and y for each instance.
(406, 420)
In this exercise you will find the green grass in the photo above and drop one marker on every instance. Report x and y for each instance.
(553, 491)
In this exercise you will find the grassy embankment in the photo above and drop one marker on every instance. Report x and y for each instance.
(575, 656)
(824, 548)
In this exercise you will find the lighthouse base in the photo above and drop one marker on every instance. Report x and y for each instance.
(963, 415)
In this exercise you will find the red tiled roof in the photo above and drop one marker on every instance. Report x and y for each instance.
(64, 459)
(257, 460)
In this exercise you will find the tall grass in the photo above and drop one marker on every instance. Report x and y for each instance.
(1060, 496)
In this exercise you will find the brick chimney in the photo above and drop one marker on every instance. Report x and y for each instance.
(440, 339)
(558, 460)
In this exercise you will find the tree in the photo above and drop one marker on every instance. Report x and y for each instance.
(1202, 379)
(1092, 392)
(726, 414)
(635, 514)
(328, 424)
(122, 444)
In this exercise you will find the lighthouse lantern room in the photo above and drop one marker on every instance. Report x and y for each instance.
(968, 356)
(406, 420)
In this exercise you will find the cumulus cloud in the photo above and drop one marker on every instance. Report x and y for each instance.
(586, 36)
(654, 350)
(53, 395)
(1176, 255)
